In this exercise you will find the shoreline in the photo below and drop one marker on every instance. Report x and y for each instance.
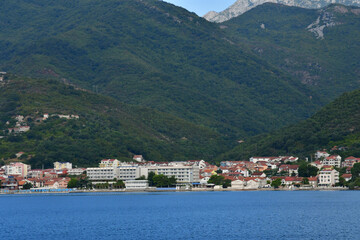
(171, 190)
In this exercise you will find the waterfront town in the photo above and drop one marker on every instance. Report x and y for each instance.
(283, 172)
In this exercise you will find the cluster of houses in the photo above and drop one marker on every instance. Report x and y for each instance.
(258, 172)
(21, 124)
(16, 175)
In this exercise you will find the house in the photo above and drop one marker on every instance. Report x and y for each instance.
(333, 160)
(238, 184)
(258, 174)
(350, 161)
(293, 180)
(290, 159)
(62, 165)
(19, 154)
(106, 163)
(138, 158)
(347, 176)
(317, 164)
(321, 155)
(290, 169)
(76, 171)
(328, 177)
(10, 183)
(313, 181)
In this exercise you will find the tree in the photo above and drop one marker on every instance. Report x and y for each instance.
(141, 178)
(307, 170)
(150, 178)
(73, 183)
(276, 183)
(216, 179)
(119, 184)
(219, 171)
(27, 185)
(305, 180)
(355, 171)
(163, 181)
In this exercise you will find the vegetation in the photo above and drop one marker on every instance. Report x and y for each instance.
(306, 170)
(163, 181)
(26, 186)
(152, 54)
(106, 128)
(329, 66)
(220, 180)
(276, 183)
(337, 124)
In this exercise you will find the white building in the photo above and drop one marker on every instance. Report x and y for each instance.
(182, 173)
(62, 165)
(333, 160)
(17, 168)
(101, 174)
(328, 178)
(136, 184)
(321, 154)
(76, 171)
(128, 172)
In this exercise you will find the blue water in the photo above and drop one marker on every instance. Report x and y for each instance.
(189, 215)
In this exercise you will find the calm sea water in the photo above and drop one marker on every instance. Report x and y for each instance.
(189, 215)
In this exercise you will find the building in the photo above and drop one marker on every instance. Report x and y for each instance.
(136, 184)
(333, 160)
(128, 172)
(101, 174)
(350, 161)
(76, 171)
(290, 169)
(105, 163)
(17, 168)
(182, 173)
(138, 158)
(328, 177)
(321, 154)
(62, 165)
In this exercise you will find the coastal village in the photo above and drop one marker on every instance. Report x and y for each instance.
(265, 173)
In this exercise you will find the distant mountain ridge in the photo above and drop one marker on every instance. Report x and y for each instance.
(242, 6)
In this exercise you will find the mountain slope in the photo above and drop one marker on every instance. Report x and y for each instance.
(337, 124)
(242, 6)
(105, 129)
(152, 54)
(317, 47)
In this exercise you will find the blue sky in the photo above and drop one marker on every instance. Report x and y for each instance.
(200, 7)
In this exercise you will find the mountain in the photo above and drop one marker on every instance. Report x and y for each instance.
(336, 125)
(152, 54)
(242, 6)
(105, 128)
(318, 47)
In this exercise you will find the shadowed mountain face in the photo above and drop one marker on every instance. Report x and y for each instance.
(156, 55)
(242, 6)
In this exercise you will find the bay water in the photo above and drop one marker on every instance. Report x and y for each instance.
(182, 215)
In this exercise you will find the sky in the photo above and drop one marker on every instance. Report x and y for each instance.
(201, 7)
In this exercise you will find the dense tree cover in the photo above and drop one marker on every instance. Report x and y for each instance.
(306, 170)
(276, 183)
(163, 181)
(220, 180)
(329, 66)
(337, 124)
(106, 128)
(153, 54)
(26, 185)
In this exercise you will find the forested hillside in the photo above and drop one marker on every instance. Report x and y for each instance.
(106, 128)
(151, 53)
(336, 125)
